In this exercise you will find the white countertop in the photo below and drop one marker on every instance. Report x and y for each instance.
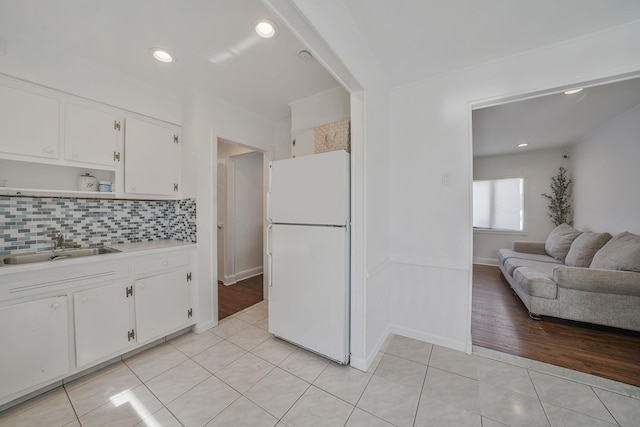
(155, 246)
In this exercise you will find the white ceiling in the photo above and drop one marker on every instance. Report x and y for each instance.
(551, 121)
(218, 52)
(214, 42)
(416, 39)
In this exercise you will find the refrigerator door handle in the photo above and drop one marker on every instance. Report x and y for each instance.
(269, 254)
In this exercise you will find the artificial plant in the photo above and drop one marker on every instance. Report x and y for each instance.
(559, 206)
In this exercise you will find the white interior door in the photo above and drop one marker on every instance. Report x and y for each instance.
(222, 207)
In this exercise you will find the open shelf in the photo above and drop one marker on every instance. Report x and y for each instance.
(35, 192)
(44, 180)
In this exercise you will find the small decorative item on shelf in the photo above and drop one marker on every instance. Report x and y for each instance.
(87, 182)
(104, 186)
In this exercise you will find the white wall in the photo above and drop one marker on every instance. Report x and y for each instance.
(282, 142)
(322, 108)
(233, 255)
(227, 149)
(431, 239)
(209, 119)
(536, 167)
(245, 195)
(606, 177)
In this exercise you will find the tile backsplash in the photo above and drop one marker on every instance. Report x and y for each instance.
(29, 224)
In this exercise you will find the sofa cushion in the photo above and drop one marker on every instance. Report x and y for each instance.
(585, 247)
(537, 281)
(559, 241)
(595, 280)
(620, 253)
(504, 254)
(529, 247)
(511, 264)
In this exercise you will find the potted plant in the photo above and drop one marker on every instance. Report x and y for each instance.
(559, 206)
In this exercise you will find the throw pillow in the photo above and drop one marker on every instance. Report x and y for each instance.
(585, 247)
(559, 241)
(620, 253)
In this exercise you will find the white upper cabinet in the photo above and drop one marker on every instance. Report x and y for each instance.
(302, 143)
(151, 158)
(91, 135)
(29, 123)
(48, 138)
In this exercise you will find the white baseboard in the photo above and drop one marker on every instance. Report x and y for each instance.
(378, 267)
(363, 364)
(202, 327)
(485, 261)
(242, 275)
(430, 338)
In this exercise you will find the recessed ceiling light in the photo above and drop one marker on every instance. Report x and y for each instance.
(522, 145)
(161, 55)
(266, 29)
(572, 91)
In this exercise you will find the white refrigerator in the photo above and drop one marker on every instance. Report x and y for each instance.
(308, 251)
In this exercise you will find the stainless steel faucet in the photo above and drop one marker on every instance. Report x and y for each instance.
(58, 242)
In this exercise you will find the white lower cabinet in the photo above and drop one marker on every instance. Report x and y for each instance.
(163, 303)
(101, 311)
(102, 322)
(35, 343)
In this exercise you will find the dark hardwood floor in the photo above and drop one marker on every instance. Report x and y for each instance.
(500, 322)
(237, 297)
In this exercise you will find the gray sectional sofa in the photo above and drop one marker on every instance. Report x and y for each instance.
(583, 276)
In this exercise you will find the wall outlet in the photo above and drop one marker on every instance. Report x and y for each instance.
(446, 178)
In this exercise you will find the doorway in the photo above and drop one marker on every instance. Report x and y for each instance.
(240, 216)
(581, 131)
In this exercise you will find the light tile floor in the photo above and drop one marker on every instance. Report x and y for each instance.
(237, 374)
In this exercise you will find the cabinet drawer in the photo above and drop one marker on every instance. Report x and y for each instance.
(148, 267)
(58, 278)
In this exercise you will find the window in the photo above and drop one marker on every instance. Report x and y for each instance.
(499, 204)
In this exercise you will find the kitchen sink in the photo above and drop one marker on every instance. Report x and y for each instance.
(29, 258)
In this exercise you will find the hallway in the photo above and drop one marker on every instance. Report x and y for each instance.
(237, 297)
